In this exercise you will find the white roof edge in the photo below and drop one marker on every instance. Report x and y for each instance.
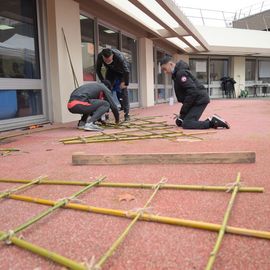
(236, 40)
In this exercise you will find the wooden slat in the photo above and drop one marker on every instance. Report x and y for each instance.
(166, 158)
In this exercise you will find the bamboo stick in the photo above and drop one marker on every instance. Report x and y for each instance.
(121, 238)
(9, 149)
(10, 191)
(56, 205)
(138, 185)
(222, 230)
(153, 218)
(46, 253)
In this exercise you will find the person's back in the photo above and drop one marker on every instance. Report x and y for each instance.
(92, 100)
(185, 84)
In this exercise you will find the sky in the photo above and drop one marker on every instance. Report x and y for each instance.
(227, 5)
(231, 10)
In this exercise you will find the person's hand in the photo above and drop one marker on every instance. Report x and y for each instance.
(123, 85)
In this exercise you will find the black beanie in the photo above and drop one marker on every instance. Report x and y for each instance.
(106, 52)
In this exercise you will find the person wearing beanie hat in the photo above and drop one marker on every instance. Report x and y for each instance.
(117, 70)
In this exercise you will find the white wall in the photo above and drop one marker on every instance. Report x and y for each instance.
(146, 65)
(63, 14)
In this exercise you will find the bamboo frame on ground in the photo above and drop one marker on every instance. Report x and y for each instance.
(146, 217)
(222, 230)
(121, 238)
(6, 193)
(138, 185)
(46, 253)
(151, 218)
(137, 125)
(43, 214)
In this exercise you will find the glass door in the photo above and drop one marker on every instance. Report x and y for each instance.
(21, 84)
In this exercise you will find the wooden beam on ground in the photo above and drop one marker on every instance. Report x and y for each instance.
(165, 158)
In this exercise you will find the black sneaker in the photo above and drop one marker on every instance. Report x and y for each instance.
(179, 122)
(127, 117)
(217, 122)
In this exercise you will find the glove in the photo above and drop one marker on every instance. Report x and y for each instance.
(179, 122)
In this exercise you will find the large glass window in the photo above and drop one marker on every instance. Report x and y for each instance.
(160, 74)
(129, 50)
(20, 103)
(19, 55)
(198, 68)
(264, 71)
(19, 63)
(250, 70)
(108, 38)
(218, 69)
(88, 48)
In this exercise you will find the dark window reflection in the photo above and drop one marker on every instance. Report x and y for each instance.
(20, 103)
(19, 56)
(129, 49)
(88, 48)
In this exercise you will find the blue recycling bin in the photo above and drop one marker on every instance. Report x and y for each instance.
(8, 104)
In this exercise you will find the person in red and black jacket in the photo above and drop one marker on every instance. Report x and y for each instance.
(116, 70)
(92, 100)
(193, 96)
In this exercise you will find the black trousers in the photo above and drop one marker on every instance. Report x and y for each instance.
(122, 95)
(191, 119)
(96, 109)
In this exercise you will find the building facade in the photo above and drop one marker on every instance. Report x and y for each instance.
(46, 46)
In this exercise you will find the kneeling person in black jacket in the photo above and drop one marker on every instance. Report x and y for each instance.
(92, 100)
(192, 94)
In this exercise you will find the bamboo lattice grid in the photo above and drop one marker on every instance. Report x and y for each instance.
(10, 236)
(137, 129)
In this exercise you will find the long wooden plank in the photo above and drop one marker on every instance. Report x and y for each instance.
(166, 158)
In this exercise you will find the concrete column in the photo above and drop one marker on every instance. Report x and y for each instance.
(63, 14)
(238, 73)
(146, 68)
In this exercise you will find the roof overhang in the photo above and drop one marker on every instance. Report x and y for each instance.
(232, 41)
(166, 21)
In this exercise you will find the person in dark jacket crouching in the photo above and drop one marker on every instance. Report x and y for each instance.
(193, 96)
(92, 100)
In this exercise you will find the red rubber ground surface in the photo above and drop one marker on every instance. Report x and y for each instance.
(79, 235)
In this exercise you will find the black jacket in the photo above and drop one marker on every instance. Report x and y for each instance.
(188, 89)
(90, 91)
(119, 65)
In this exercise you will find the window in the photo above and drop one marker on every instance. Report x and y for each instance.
(129, 50)
(19, 54)
(198, 68)
(250, 72)
(88, 48)
(160, 74)
(22, 96)
(20, 103)
(218, 69)
(264, 71)
(108, 38)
